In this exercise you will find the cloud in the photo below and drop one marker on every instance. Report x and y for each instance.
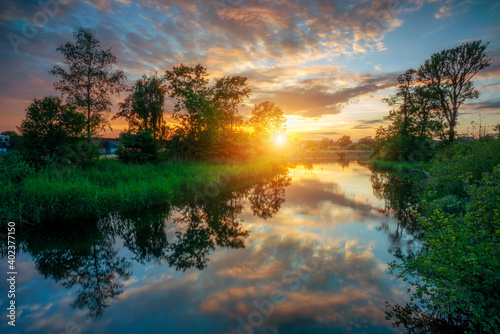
(314, 97)
(444, 11)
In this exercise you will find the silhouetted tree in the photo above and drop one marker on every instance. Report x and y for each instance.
(9, 133)
(88, 82)
(49, 126)
(143, 108)
(449, 74)
(228, 95)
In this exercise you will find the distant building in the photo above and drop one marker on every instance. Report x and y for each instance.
(111, 146)
(8, 143)
(4, 144)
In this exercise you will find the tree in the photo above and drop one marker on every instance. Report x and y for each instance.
(228, 94)
(49, 126)
(188, 87)
(413, 121)
(449, 74)
(369, 141)
(344, 141)
(9, 133)
(143, 108)
(496, 128)
(267, 118)
(89, 81)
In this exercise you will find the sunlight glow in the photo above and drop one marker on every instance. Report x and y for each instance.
(279, 139)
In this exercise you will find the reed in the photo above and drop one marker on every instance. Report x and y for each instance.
(112, 186)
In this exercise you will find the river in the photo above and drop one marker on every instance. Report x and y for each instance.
(306, 251)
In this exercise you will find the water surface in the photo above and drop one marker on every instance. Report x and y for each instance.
(303, 252)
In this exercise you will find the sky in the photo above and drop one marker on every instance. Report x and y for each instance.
(327, 63)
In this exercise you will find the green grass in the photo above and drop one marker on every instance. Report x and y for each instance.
(111, 186)
(398, 166)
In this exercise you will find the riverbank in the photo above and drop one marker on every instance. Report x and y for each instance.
(112, 186)
(398, 166)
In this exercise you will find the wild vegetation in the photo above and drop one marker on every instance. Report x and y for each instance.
(112, 186)
(427, 102)
(454, 211)
(56, 173)
(456, 272)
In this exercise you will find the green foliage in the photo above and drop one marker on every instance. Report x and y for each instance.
(396, 166)
(110, 186)
(209, 124)
(49, 127)
(9, 133)
(457, 274)
(88, 82)
(138, 148)
(460, 164)
(143, 108)
(228, 94)
(427, 103)
(344, 141)
(369, 141)
(236, 145)
(14, 169)
(351, 146)
(362, 147)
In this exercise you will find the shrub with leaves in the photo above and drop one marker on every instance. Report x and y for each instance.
(457, 274)
(138, 148)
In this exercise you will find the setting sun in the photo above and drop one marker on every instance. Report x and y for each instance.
(279, 139)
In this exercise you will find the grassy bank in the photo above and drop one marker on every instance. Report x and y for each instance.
(111, 186)
(397, 166)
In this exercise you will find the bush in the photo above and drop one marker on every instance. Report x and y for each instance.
(14, 171)
(460, 164)
(457, 274)
(138, 148)
(351, 146)
(13, 168)
(362, 147)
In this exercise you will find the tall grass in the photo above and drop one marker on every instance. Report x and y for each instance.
(397, 166)
(111, 186)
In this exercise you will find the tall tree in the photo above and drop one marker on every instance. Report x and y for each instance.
(89, 80)
(143, 108)
(267, 118)
(188, 87)
(199, 128)
(450, 72)
(229, 94)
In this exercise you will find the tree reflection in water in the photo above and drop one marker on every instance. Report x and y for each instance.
(81, 255)
(401, 195)
(84, 255)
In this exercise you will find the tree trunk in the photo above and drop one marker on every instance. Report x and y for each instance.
(451, 132)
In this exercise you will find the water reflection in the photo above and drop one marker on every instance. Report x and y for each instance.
(199, 266)
(83, 255)
(400, 194)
